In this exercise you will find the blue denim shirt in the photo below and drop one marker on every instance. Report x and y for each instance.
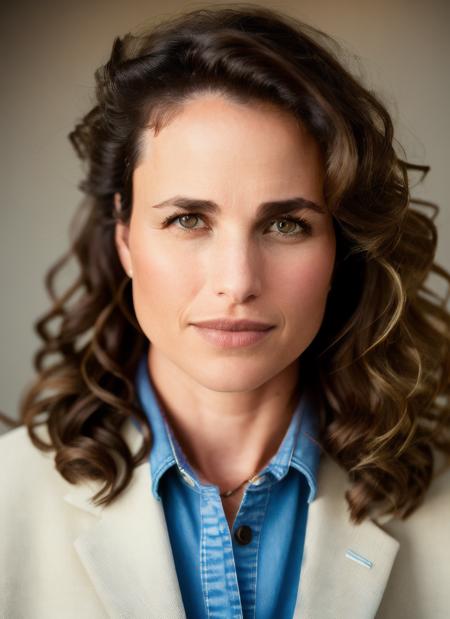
(220, 576)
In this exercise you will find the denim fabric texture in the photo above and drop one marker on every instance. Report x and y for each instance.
(219, 577)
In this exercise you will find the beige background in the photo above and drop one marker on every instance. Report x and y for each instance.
(49, 51)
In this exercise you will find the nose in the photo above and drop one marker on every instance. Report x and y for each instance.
(236, 270)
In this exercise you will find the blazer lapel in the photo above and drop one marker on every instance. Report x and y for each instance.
(126, 551)
(345, 567)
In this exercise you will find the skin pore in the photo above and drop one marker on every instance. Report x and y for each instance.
(229, 407)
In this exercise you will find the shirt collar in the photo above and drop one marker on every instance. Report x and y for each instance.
(299, 448)
(307, 450)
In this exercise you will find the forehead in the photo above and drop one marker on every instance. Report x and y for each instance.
(220, 144)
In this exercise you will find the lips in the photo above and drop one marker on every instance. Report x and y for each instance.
(224, 324)
(226, 339)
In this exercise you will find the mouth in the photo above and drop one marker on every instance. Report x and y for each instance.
(226, 324)
(233, 339)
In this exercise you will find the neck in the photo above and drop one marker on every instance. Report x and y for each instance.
(227, 436)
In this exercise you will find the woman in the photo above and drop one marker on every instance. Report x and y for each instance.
(252, 381)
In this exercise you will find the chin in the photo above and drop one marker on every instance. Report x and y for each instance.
(233, 375)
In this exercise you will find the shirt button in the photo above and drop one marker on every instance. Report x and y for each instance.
(243, 535)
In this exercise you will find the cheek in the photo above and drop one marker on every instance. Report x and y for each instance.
(160, 283)
(304, 284)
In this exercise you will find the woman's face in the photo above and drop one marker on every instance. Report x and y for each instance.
(234, 261)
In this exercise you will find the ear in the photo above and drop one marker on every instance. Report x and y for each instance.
(121, 238)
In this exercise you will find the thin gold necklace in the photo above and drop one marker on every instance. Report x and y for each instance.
(228, 493)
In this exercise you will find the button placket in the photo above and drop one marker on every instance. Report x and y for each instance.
(216, 543)
(243, 533)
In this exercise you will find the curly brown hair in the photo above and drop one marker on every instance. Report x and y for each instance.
(380, 363)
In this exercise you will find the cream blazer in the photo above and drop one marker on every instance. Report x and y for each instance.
(63, 558)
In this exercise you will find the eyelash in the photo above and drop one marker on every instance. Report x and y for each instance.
(306, 226)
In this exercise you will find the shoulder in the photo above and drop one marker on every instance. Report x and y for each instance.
(33, 505)
(17, 450)
(41, 571)
(27, 474)
(418, 585)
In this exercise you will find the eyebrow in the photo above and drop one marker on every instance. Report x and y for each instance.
(265, 209)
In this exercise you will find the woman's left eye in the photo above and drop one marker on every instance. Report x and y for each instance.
(305, 227)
